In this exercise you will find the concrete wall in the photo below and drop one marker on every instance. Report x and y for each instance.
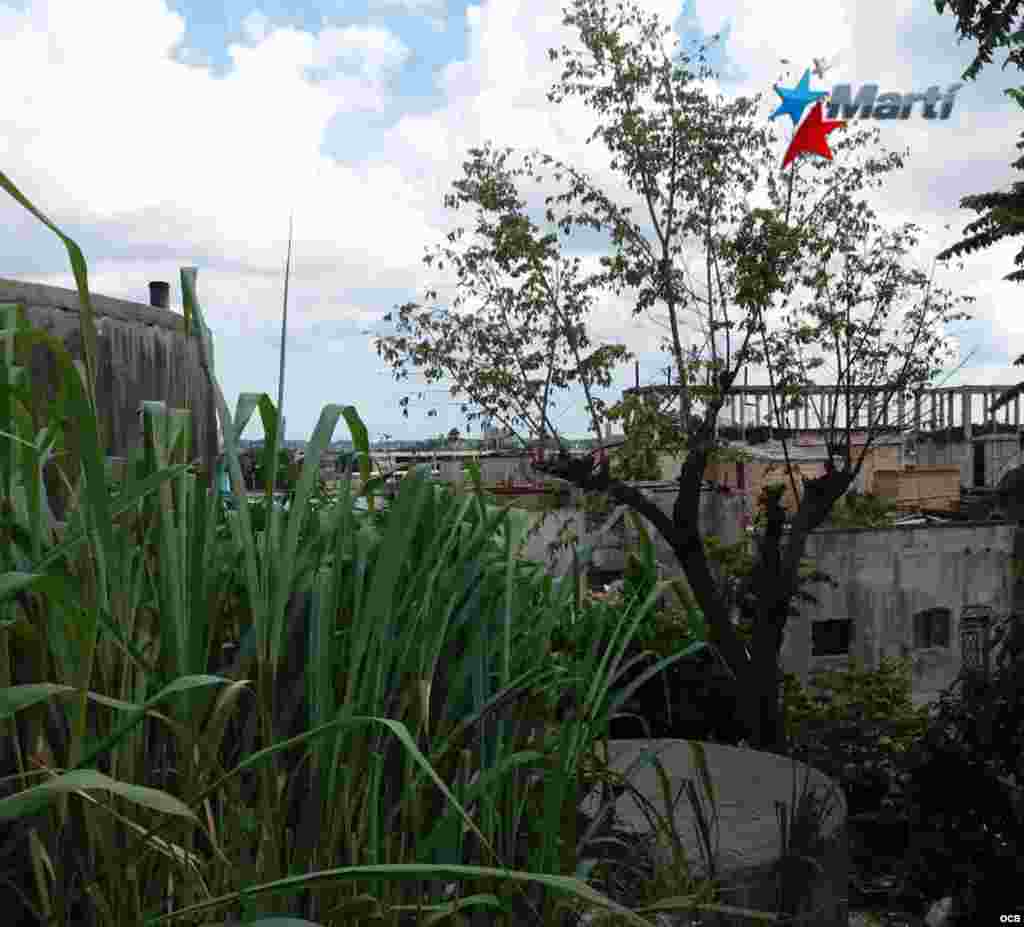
(612, 533)
(142, 354)
(886, 577)
(1000, 452)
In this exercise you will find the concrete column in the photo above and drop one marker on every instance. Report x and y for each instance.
(757, 408)
(1016, 411)
(901, 409)
(917, 411)
(965, 401)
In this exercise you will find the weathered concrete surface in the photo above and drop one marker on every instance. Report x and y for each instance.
(747, 785)
(143, 354)
(886, 577)
(998, 453)
(611, 533)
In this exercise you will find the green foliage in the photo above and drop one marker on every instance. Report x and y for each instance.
(991, 23)
(964, 790)
(862, 510)
(647, 430)
(287, 472)
(855, 726)
(864, 308)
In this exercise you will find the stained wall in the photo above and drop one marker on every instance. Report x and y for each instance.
(143, 354)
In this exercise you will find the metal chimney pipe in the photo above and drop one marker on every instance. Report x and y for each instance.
(160, 294)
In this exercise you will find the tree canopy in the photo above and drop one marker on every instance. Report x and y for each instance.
(791, 275)
(994, 24)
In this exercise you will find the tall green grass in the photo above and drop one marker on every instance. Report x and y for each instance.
(413, 743)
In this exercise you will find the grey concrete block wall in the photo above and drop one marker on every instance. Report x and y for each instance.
(886, 577)
(1000, 451)
(143, 354)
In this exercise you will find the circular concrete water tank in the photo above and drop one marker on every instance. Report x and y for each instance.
(747, 784)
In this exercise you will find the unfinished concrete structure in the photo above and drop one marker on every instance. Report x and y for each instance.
(946, 426)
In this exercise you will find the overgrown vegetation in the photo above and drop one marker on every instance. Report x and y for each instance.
(810, 284)
(856, 725)
(964, 790)
(368, 752)
(862, 510)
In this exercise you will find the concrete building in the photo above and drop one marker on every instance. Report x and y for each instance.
(901, 592)
(937, 448)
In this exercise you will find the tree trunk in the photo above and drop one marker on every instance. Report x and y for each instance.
(759, 696)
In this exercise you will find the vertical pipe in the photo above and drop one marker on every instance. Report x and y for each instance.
(965, 400)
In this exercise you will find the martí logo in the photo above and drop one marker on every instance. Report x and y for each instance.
(809, 136)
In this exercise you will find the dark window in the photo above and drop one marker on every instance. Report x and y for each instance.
(741, 475)
(931, 627)
(979, 463)
(831, 638)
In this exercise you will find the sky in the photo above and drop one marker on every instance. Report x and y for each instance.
(191, 132)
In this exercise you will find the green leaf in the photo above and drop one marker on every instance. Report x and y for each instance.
(271, 922)
(28, 801)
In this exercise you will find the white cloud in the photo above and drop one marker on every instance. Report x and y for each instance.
(255, 26)
(415, 7)
(141, 144)
(371, 51)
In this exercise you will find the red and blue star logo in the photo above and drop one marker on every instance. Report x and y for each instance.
(810, 136)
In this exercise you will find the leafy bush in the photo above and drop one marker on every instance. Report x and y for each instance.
(857, 730)
(691, 699)
(963, 792)
(862, 510)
